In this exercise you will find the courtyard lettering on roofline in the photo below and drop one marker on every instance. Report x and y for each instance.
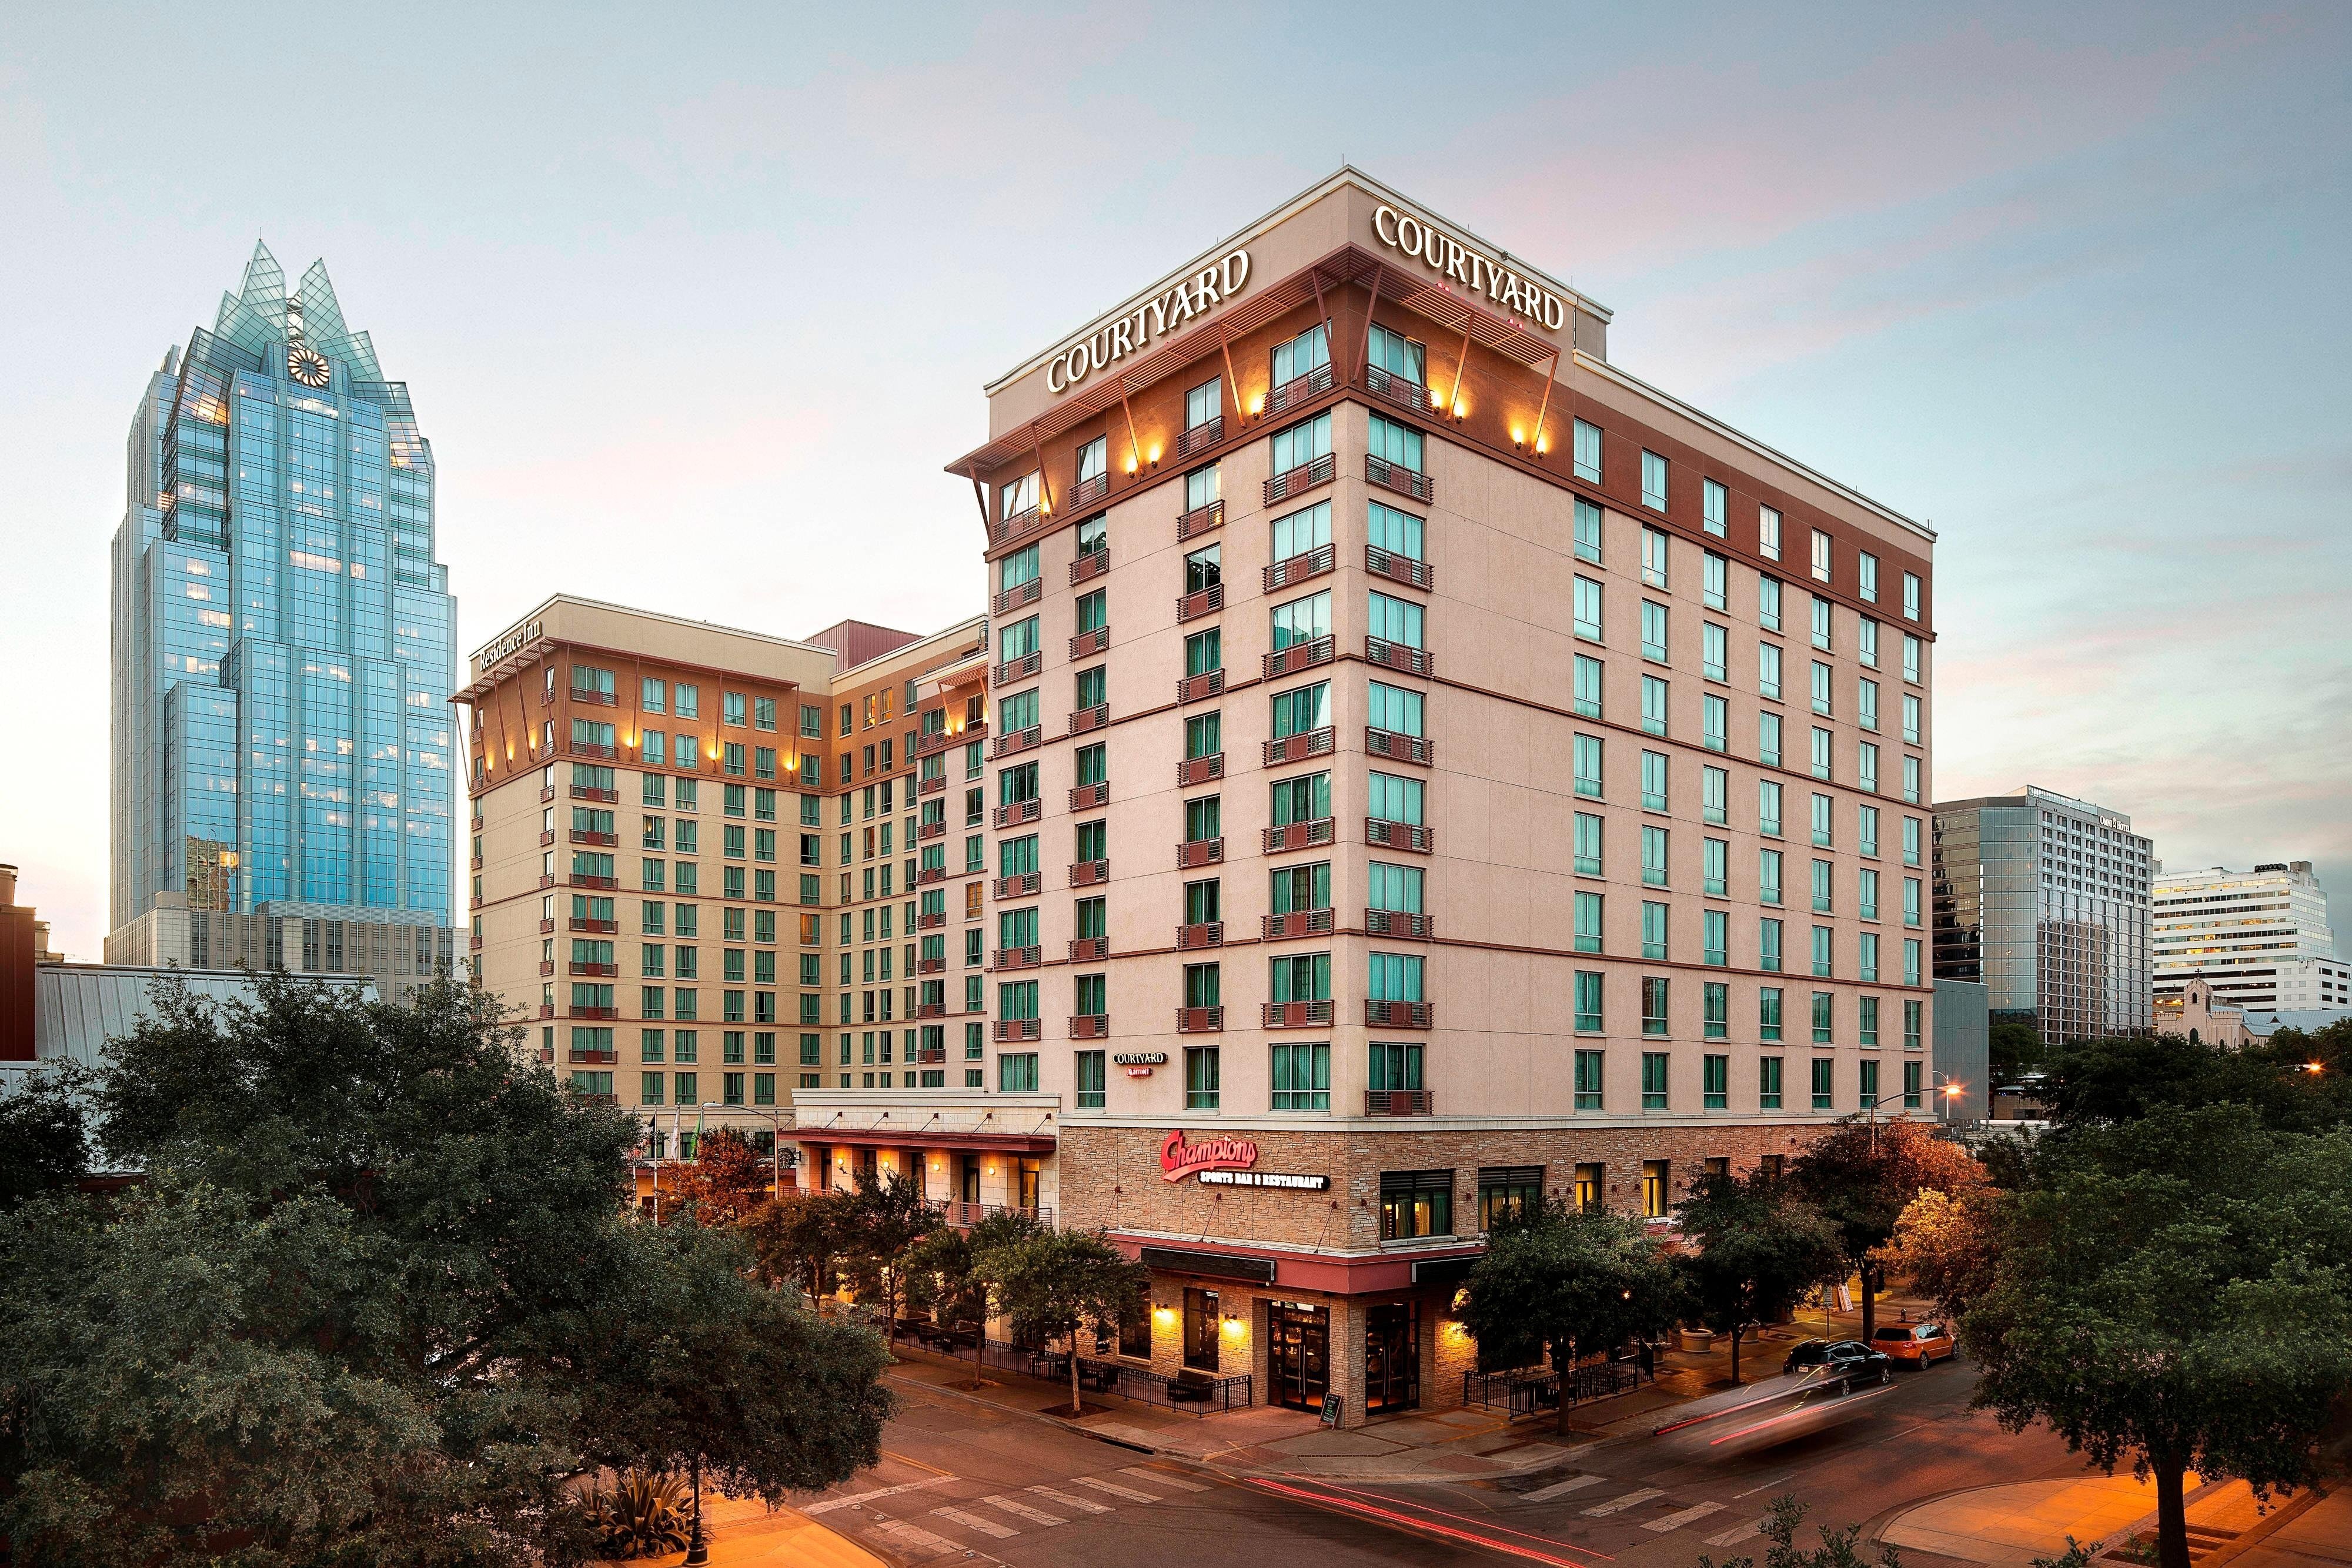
(1479, 274)
(1133, 332)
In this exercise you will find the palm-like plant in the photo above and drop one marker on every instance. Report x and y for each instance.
(641, 1514)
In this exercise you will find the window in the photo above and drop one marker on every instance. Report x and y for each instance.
(1018, 498)
(1911, 893)
(1587, 622)
(1867, 895)
(1589, 676)
(1911, 1012)
(1911, 780)
(1654, 481)
(1204, 568)
(1656, 1065)
(1654, 558)
(1911, 1077)
(1822, 623)
(1866, 767)
(1768, 603)
(1394, 888)
(1910, 840)
(731, 708)
(1715, 867)
(1768, 1083)
(1588, 766)
(1767, 945)
(1303, 709)
(1824, 1016)
(1714, 650)
(1913, 650)
(1653, 780)
(1767, 808)
(1302, 1077)
(1656, 1185)
(1508, 1192)
(1865, 642)
(1302, 620)
(1203, 489)
(1588, 845)
(1303, 977)
(1391, 799)
(1391, 620)
(1654, 930)
(1093, 614)
(1589, 992)
(1910, 596)
(1715, 1082)
(1910, 719)
(1587, 1079)
(1303, 355)
(1653, 630)
(1866, 1028)
(1091, 688)
(1768, 1013)
(1823, 939)
(1768, 670)
(1016, 1073)
(1768, 533)
(1821, 556)
(1654, 857)
(1398, 533)
(1201, 1077)
(1654, 705)
(1821, 753)
(1715, 939)
(1865, 704)
(1302, 532)
(1416, 1203)
(1824, 1083)
(1396, 445)
(1588, 530)
(1588, 922)
(1713, 722)
(1302, 799)
(1088, 1079)
(1715, 792)
(1713, 501)
(1823, 899)
(1821, 690)
(1204, 402)
(1203, 735)
(1396, 709)
(1768, 876)
(1588, 452)
(1394, 1065)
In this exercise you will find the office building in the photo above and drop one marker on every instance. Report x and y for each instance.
(2043, 899)
(1426, 767)
(2261, 938)
(635, 780)
(282, 745)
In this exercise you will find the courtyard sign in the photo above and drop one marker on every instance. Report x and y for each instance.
(1133, 332)
(1480, 275)
(1179, 1159)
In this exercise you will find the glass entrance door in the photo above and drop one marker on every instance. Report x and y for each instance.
(1392, 1356)
(1298, 1354)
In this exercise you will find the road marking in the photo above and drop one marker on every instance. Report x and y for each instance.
(1737, 1533)
(1760, 1486)
(1620, 1504)
(1690, 1515)
(827, 1505)
(1115, 1489)
(1161, 1477)
(1084, 1505)
(915, 1538)
(1562, 1488)
(974, 1521)
(1022, 1511)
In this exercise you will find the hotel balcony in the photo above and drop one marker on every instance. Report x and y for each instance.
(930, 920)
(1299, 388)
(1018, 526)
(1314, 1014)
(1201, 436)
(1298, 568)
(603, 971)
(1193, 852)
(1387, 743)
(581, 879)
(1090, 1026)
(1019, 740)
(1087, 719)
(580, 1012)
(1200, 1021)
(1204, 934)
(589, 792)
(1396, 1015)
(1206, 602)
(1397, 923)
(931, 965)
(1019, 669)
(1089, 874)
(1300, 835)
(1413, 836)
(1298, 748)
(1306, 476)
(547, 927)
(1200, 520)
(1020, 595)
(594, 698)
(1397, 656)
(1089, 949)
(1403, 481)
(1197, 688)
(935, 785)
(1399, 1102)
(1016, 958)
(580, 1056)
(1200, 769)
(1087, 645)
(1094, 563)
(931, 876)
(1018, 812)
(1086, 797)
(1085, 492)
(1298, 656)
(591, 748)
(931, 1010)
(1388, 387)
(1021, 885)
(1298, 923)
(1398, 568)
(591, 836)
(927, 832)
(1015, 1028)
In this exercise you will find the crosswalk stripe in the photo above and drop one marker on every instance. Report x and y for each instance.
(1084, 1505)
(1161, 1477)
(1115, 1489)
(1562, 1488)
(974, 1521)
(827, 1505)
(1690, 1515)
(915, 1538)
(1737, 1533)
(1022, 1511)
(1620, 1504)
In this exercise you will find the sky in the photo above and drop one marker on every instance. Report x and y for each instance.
(695, 302)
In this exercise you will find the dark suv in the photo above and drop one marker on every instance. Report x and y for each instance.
(1849, 1363)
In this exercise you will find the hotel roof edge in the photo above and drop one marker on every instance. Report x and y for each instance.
(1699, 416)
(586, 603)
(1346, 173)
(966, 625)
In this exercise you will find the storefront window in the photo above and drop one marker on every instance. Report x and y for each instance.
(1201, 1330)
(1416, 1203)
(1508, 1192)
(1392, 1356)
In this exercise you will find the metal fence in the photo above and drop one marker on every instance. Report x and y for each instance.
(1185, 1394)
(1523, 1391)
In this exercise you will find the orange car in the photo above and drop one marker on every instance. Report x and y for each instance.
(1924, 1343)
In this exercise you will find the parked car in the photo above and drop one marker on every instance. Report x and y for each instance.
(1924, 1343)
(1847, 1362)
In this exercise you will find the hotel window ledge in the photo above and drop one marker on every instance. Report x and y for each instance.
(1016, 958)
(1086, 949)
(1298, 656)
(1400, 1103)
(1398, 567)
(1306, 476)
(1019, 669)
(1090, 718)
(1299, 388)
(1085, 797)
(1022, 884)
(1399, 656)
(1297, 568)
(1087, 644)
(1200, 520)
(1300, 747)
(1089, 1026)
(1016, 1029)
(1312, 1014)
(1193, 853)
(1206, 933)
(1201, 770)
(1018, 812)
(1207, 602)
(1396, 1015)
(1019, 740)
(1194, 688)
(1201, 436)
(587, 792)
(1094, 563)
(1200, 1021)
(1086, 492)
(1298, 923)
(1087, 874)
(1412, 836)
(1410, 395)
(1300, 835)
(1404, 481)
(1387, 743)
(1399, 923)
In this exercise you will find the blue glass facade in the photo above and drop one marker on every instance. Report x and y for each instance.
(283, 637)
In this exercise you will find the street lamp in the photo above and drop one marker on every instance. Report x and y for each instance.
(1951, 1091)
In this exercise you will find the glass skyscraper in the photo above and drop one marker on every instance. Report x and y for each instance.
(282, 734)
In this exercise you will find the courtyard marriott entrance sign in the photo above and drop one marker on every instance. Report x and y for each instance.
(1450, 258)
(1133, 333)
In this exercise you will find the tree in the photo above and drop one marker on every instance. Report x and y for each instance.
(43, 1135)
(2012, 1049)
(1837, 1549)
(2124, 1079)
(726, 1179)
(1055, 1282)
(1947, 1244)
(2171, 1293)
(1862, 1174)
(943, 1275)
(1755, 1249)
(882, 1221)
(1577, 1280)
(800, 1236)
(379, 1301)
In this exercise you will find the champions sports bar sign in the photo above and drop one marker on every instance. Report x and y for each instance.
(1479, 274)
(1226, 1162)
(1135, 332)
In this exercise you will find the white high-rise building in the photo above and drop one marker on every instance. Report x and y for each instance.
(2261, 938)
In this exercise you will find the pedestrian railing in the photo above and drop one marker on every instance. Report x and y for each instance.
(1523, 1391)
(1185, 1394)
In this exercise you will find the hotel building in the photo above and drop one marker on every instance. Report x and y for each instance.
(2043, 899)
(282, 741)
(703, 868)
(2261, 938)
(1427, 766)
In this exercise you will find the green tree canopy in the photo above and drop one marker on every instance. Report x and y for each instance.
(1577, 1280)
(380, 1299)
(2172, 1293)
(1861, 1176)
(943, 1275)
(1055, 1282)
(1755, 1249)
(44, 1134)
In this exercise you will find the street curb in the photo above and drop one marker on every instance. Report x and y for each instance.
(2276, 1519)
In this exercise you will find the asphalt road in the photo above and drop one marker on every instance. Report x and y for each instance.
(965, 1482)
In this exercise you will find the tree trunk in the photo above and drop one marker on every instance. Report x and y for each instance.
(1078, 1407)
(980, 1355)
(2171, 1514)
(1735, 1356)
(1870, 1304)
(1567, 1370)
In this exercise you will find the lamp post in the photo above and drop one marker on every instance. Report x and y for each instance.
(1950, 1089)
(697, 1545)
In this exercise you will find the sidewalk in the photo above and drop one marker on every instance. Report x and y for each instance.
(744, 1534)
(2009, 1526)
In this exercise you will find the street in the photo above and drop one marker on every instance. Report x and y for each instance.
(967, 1479)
